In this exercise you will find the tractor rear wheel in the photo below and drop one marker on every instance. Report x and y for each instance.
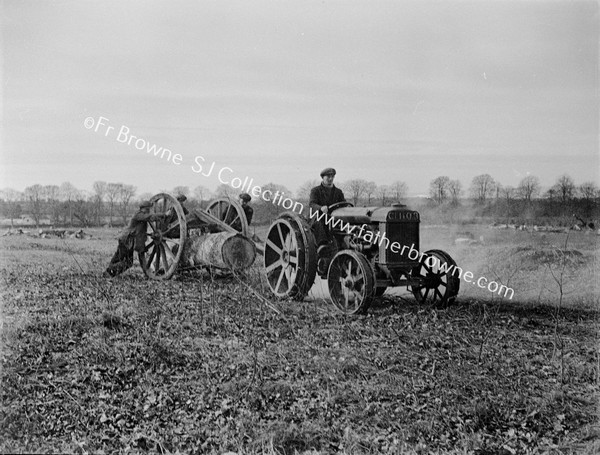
(290, 258)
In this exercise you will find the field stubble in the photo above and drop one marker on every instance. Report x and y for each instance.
(200, 364)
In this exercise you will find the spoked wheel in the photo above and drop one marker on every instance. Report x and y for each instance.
(351, 282)
(165, 238)
(290, 258)
(439, 284)
(230, 212)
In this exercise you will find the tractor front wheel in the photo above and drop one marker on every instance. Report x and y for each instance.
(351, 282)
(437, 276)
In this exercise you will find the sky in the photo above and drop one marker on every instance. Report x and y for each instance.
(278, 90)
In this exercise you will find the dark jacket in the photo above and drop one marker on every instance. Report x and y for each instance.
(172, 214)
(234, 221)
(134, 235)
(249, 211)
(321, 195)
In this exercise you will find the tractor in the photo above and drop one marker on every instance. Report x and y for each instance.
(365, 256)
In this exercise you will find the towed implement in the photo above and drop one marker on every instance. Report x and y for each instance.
(213, 237)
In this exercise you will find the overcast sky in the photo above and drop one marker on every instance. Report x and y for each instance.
(276, 91)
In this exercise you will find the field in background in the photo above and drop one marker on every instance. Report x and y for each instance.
(205, 364)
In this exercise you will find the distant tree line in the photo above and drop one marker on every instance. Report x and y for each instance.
(564, 201)
(113, 203)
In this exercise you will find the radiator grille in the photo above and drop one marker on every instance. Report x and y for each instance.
(403, 234)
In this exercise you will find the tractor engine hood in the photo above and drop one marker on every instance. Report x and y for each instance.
(367, 215)
(354, 215)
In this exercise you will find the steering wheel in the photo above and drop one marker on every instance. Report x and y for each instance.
(338, 205)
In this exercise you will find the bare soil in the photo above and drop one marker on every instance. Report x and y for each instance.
(203, 365)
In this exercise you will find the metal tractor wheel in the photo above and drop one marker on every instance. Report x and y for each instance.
(290, 257)
(230, 212)
(351, 282)
(165, 238)
(440, 285)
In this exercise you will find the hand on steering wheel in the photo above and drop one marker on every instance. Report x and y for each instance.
(338, 205)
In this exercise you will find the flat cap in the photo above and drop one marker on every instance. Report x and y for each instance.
(245, 197)
(181, 197)
(145, 204)
(328, 171)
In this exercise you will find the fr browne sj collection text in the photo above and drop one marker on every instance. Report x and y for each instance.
(123, 135)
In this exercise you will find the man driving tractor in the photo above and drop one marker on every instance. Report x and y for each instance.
(321, 197)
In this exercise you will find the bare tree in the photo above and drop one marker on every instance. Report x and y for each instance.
(201, 192)
(382, 192)
(356, 188)
(498, 191)
(145, 196)
(125, 194)
(438, 189)
(398, 190)
(81, 208)
(224, 190)
(455, 190)
(112, 194)
(52, 195)
(35, 196)
(529, 187)
(12, 198)
(482, 188)
(68, 194)
(508, 194)
(303, 192)
(277, 188)
(551, 194)
(564, 188)
(100, 189)
(370, 189)
(268, 210)
(181, 190)
(589, 193)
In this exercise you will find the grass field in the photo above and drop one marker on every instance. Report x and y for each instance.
(195, 364)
